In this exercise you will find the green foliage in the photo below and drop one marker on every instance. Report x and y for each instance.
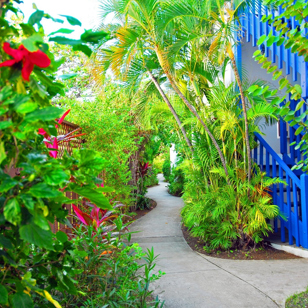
(176, 181)
(297, 300)
(38, 267)
(166, 169)
(110, 271)
(151, 178)
(224, 216)
(109, 129)
(296, 40)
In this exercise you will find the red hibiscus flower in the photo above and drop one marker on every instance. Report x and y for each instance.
(28, 59)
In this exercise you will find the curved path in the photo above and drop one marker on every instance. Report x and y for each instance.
(194, 280)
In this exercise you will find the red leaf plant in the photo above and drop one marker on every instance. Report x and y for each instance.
(144, 168)
(53, 142)
(26, 57)
(97, 218)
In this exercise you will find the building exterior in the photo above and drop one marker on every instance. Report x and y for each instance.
(275, 155)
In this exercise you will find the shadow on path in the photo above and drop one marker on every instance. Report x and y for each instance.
(194, 280)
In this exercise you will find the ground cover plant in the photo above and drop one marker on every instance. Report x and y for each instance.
(39, 268)
(297, 300)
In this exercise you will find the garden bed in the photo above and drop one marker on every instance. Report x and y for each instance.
(264, 252)
(298, 300)
(140, 213)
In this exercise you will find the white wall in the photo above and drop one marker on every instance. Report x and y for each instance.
(254, 71)
(173, 155)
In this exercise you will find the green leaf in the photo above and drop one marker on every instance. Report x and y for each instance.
(2, 152)
(44, 114)
(299, 105)
(283, 83)
(7, 184)
(26, 107)
(36, 17)
(42, 190)
(55, 177)
(298, 88)
(12, 211)
(262, 39)
(94, 196)
(93, 37)
(83, 48)
(37, 236)
(256, 53)
(4, 297)
(61, 236)
(299, 130)
(65, 41)
(5, 124)
(80, 253)
(253, 88)
(31, 42)
(22, 300)
(41, 221)
(276, 75)
(6, 243)
(72, 20)
(62, 30)
(67, 76)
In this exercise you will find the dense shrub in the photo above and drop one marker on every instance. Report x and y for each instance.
(110, 271)
(166, 169)
(224, 216)
(151, 178)
(176, 181)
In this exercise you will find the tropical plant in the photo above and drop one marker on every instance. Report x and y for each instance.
(225, 217)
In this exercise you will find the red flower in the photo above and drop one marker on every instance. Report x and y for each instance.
(28, 59)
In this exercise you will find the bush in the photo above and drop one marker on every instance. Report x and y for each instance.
(166, 169)
(176, 182)
(225, 217)
(151, 178)
(110, 273)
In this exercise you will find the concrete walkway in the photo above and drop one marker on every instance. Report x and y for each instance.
(194, 280)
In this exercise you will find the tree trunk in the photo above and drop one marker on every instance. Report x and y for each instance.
(238, 79)
(165, 98)
(193, 110)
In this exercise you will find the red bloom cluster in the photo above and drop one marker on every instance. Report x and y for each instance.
(28, 59)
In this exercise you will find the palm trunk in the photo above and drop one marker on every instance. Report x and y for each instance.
(165, 98)
(192, 109)
(238, 79)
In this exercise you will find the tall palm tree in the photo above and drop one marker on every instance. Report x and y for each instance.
(225, 19)
(149, 18)
(130, 56)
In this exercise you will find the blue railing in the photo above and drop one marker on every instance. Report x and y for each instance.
(291, 196)
(254, 28)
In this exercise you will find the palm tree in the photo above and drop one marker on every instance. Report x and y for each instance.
(221, 36)
(149, 18)
(130, 56)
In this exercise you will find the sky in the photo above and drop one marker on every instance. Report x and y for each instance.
(86, 11)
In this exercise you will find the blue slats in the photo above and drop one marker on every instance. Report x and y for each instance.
(291, 196)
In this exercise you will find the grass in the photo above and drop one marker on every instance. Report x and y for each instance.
(299, 300)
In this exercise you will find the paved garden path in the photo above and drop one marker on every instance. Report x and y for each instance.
(194, 280)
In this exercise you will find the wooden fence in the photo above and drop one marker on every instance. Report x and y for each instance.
(75, 143)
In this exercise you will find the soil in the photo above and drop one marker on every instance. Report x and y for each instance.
(264, 252)
(140, 213)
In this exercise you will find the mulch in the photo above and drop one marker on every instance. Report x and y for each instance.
(140, 213)
(264, 252)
